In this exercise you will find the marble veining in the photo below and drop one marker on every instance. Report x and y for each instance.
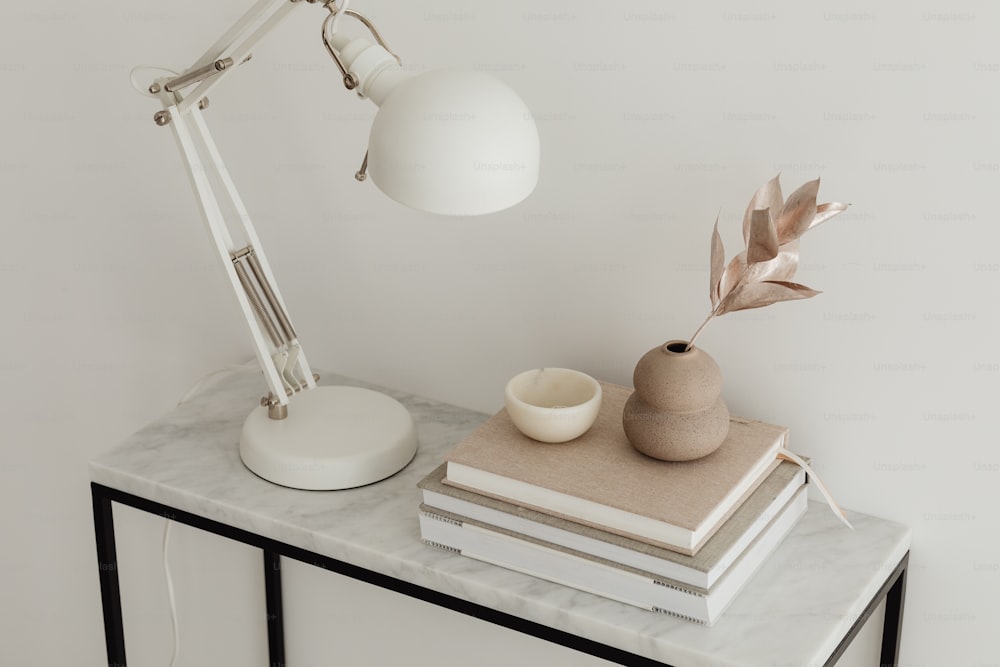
(794, 610)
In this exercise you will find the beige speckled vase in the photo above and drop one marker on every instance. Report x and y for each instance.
(676, 412)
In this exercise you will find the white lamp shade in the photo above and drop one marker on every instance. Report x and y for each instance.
(454, 142)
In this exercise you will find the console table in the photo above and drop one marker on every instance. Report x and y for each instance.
(804, 606)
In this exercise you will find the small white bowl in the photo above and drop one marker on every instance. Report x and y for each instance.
(553, 404)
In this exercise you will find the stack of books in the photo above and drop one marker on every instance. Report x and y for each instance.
(681, 538)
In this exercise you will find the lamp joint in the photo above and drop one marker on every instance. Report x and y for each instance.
(351, 80)
(162, 118)
(275, 409)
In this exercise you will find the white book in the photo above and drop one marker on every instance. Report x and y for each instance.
(700, 571)
(605, 578)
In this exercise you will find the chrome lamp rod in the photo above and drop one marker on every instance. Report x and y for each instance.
(198, 74)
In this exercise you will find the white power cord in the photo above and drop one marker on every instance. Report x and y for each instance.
(204, 380)
(191, 393)
(170, 592)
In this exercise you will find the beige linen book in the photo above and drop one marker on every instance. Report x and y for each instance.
(600, 480)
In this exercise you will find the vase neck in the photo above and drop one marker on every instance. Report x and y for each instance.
(677, 347)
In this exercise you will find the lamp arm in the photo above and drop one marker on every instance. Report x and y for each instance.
(234, 45)
(241, 252)
(237, 244)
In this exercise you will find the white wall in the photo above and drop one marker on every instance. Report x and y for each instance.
(653, 115)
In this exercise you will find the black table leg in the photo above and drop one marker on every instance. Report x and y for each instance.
(891, 591)
(107, 563)
(272, 599)
(892, 629)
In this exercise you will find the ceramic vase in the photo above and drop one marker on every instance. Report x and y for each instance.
(676, 412)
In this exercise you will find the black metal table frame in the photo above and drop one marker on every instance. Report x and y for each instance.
(892, 591)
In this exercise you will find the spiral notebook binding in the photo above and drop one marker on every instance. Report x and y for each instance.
(446, 519)
(442, 546)
(676, 587)
(692, 619)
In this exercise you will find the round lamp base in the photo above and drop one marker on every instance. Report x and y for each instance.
(333, 438)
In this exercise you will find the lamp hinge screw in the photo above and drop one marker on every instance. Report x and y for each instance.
(275, 409)
(203, 103)
(154, 89)
(362, 173)
(161, 118)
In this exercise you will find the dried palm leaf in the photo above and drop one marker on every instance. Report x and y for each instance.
(767, 196)
(758, 295)
(762, 273)
(718, 263)
(798, 212)
(762, 245)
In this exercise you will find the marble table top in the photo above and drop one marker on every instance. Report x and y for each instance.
(795, 610)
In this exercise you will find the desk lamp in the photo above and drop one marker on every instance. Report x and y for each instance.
(447, 141)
